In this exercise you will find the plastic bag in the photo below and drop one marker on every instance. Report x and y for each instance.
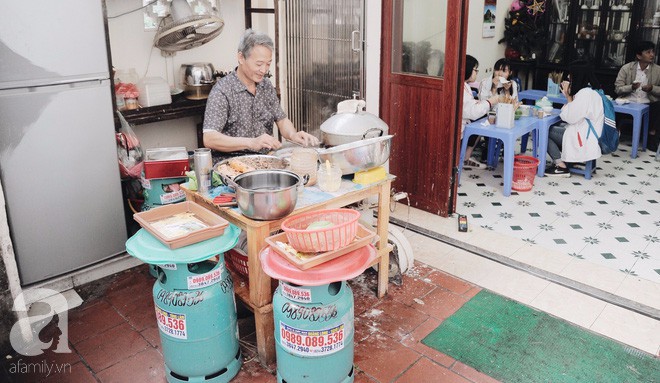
(129, 151)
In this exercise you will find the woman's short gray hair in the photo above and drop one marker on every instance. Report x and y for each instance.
(251, 39)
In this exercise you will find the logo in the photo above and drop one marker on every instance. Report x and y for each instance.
(24, 334)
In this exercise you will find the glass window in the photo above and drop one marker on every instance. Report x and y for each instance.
(418, 38)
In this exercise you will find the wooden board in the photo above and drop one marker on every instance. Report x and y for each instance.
(362, 238)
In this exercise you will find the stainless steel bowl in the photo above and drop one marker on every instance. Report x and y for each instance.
(196, 80)
(266, 194)
(358, 155)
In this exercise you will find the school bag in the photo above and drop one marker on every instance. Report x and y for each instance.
(609, 137)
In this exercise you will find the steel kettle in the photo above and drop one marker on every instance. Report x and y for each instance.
(196, 80)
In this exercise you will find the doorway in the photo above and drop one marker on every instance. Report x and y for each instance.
(423, 49)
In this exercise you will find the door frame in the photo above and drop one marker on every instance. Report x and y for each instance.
(451, 82)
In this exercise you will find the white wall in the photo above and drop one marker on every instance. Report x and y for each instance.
(486, 50)
(131, 47)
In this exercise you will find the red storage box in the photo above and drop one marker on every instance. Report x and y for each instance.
(166, 163)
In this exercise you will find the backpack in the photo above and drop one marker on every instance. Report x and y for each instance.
(609, 138)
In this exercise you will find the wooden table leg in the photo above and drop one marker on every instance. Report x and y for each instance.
(265, 327)
(261, 294)
(383, 223)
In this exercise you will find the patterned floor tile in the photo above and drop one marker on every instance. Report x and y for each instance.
(587, 219)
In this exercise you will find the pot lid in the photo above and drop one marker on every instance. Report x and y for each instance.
(351, 120)
(339, 269)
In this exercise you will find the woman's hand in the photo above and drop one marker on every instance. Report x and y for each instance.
(565, 88)
(265, 141)
(304, 138)
(494, 100)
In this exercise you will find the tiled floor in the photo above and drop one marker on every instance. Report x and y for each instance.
(114, 338)
(611, 220)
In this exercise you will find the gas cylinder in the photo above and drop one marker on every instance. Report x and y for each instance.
(314, 333)
(195, 307)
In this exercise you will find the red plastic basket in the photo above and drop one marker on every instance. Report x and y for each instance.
(324, 239)
(237, 261)
(524, 171)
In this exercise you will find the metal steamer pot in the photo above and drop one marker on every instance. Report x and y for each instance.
(358, 155)
(196, 80)
(266, 194)
(350, 124)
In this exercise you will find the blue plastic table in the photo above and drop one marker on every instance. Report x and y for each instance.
(639, 113)
(508, 136)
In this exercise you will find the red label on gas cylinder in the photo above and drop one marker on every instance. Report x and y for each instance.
(172, 324)
(312, 342)
(296, 293)
(172, 197)
(203, 280)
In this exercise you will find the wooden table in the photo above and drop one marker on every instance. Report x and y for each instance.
(259, 295)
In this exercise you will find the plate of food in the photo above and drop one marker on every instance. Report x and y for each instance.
(232, 167)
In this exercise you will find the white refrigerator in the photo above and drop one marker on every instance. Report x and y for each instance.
(58, 160)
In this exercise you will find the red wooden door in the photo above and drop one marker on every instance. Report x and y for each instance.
(423, 54)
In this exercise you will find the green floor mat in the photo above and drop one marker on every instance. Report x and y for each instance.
(514, 343)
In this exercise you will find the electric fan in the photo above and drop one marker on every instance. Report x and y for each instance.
(183, 29)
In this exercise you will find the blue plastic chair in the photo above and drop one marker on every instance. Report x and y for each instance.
(589, 169)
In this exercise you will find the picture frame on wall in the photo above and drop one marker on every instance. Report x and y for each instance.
(489, 18)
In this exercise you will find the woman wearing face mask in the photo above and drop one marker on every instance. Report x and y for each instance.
(570, 141)
(500, 83)
(473, 109)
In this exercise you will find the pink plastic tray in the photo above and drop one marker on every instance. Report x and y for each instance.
(339, 269)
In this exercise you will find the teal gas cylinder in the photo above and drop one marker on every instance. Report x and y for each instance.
(314, 333)
(161, 191)
(195, 307)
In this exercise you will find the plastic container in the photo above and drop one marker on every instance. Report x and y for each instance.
(166, 163)
(339, 269)
(303, 162)
(305, 261)
(153, 91)
(341, 233)
(329, 177)
(181, 232)
(524, 171)
(237, 258)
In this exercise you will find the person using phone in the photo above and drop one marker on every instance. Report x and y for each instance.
(639, 81)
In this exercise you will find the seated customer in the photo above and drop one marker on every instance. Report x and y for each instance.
(571, 141)
(473, 109)
(640, 82)
(243, 106)
(493, 86)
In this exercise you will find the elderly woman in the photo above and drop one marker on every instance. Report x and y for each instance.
(570, 141)
(473, 109)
